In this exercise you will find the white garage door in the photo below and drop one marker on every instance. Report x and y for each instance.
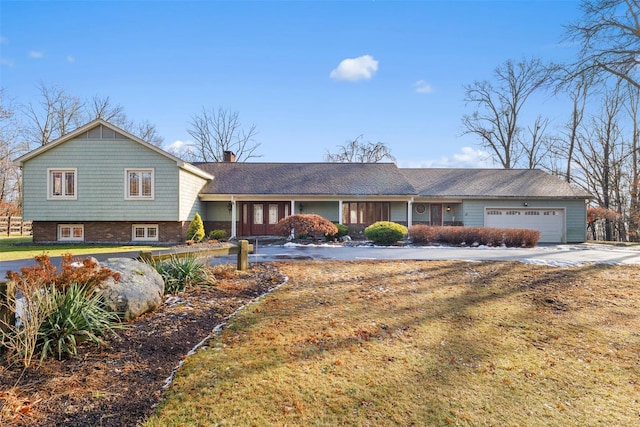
(550, 222)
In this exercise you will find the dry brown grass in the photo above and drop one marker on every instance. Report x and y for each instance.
(423, 343)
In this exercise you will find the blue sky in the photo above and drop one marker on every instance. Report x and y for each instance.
(309, 74)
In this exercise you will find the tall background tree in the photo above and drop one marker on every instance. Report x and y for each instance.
(53, 114)
(215, 131)
(11, 146)
(102, 108)
(608, 34)
(497, 119)
(359, 151)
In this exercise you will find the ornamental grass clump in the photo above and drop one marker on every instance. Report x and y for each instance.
(180, 273)
(78, 315)
(385, 232)
(55, 311)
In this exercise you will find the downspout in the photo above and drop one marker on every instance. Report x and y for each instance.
(410, 213)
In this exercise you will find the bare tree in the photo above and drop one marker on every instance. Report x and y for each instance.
(497, 116)
(578, 90)
(609, 36)
(358, 151)
(55, 114)
(540, 143)
(601, 153)
(11, 146)
(218, 130)
(102, 108)
(633, 109)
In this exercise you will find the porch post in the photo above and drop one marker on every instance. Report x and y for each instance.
(339, 211)
(293, 207)
(409, 213)
(233, 219)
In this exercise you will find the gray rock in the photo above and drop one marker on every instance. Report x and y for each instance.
(139, 290)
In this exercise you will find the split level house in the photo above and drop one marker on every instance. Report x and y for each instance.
(102, 184)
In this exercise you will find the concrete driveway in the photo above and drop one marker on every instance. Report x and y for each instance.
(558, 255)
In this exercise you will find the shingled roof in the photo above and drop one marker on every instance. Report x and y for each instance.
(490, 183)
(362, 179)
(384, 179)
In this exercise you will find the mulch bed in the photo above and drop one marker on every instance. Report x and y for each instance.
(120, 385)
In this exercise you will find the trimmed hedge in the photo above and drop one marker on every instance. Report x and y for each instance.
(218, 235)
(471, 236)
(385, 232)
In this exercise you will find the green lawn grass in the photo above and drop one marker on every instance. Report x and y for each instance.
(17, 248)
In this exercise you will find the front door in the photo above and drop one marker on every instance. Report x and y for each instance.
(436, 214)
(260, 218)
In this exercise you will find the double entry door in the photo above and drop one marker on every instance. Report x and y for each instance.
(259, 218)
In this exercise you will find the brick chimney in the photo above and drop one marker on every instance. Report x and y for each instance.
(229, 156)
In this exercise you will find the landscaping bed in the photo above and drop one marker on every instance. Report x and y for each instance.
(120, 385)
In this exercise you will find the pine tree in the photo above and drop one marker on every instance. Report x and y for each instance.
(195, 231)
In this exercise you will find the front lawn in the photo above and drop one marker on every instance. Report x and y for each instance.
(17, 248)
(422, 343)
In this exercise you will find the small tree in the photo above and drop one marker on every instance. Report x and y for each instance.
(195, 231)
(305, 224)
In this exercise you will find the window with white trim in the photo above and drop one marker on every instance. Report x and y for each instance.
(62, 183)
(145, 232)
(138, 184)
(71, 232)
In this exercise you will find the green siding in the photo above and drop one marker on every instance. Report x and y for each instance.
(327, 210)
(399, 212)
(190, 204)
(100, 183)
(217, 211)
(575, 214)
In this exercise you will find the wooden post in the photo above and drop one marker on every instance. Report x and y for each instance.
(7, 313)
(243, 255)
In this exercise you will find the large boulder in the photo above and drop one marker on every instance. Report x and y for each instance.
(139, 290)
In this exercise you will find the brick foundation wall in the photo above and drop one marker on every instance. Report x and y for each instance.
(111, 232)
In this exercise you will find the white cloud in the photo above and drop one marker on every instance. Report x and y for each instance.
(353, 69)
(180, 148)
(466, 158)
(422, 87)
(71, 58)
(36, 54)
(7, 62)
